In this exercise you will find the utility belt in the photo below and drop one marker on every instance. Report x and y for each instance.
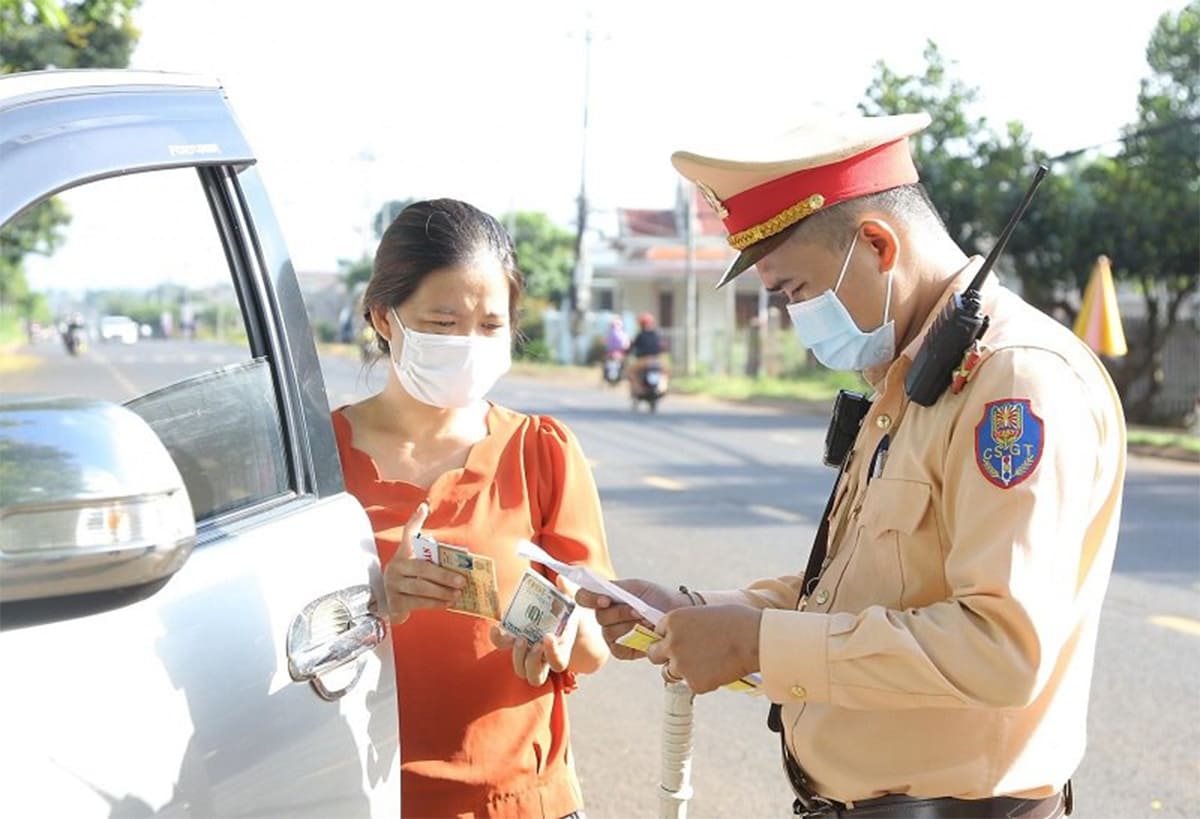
(906, 807)
(811, 805)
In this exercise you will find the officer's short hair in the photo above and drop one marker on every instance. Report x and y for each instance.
(835, 226)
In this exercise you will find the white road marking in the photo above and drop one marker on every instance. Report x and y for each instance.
(786, 438)
(669, 484)
(776, 513)
(1184, 624)
(117, 375)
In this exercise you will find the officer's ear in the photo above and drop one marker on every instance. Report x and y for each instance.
(883, 241)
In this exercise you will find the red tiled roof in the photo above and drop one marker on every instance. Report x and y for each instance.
(667, 223)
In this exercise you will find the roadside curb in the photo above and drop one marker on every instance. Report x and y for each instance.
(1172, 453)
(585, 375)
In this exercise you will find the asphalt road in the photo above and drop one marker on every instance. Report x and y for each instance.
(714, 495)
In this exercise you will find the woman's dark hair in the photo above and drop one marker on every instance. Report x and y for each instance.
(432, 235)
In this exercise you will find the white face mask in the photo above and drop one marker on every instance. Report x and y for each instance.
(825, 326)
(445, 371)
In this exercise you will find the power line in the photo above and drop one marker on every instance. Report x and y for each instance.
(1154, 130)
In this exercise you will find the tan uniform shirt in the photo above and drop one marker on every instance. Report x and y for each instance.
(947, 648)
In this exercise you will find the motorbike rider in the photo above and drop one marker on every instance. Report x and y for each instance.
(647, 346)
(616, 342)
(73, 334)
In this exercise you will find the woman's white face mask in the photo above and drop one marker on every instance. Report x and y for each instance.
(447, 371)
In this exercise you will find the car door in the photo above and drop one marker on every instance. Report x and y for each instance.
(258, 679)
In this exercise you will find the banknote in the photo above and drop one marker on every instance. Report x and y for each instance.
(537, 608)
(481, 595)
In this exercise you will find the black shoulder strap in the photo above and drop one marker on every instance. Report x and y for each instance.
(812, 571)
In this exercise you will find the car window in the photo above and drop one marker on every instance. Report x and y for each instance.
(128, 296)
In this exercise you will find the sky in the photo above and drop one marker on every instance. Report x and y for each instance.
(349, 104)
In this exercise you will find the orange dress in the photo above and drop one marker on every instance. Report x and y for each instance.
(476, 740)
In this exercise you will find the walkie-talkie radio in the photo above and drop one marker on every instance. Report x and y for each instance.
(960, 323)
(849, 409)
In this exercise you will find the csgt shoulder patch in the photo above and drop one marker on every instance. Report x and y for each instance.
(1008, 441)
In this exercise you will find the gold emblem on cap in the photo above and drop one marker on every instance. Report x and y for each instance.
(714, 201)
(781, 221)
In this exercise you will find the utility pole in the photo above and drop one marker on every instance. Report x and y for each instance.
(580, 293)
(691, 320)
(764, 330)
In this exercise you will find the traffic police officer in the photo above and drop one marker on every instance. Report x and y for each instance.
(938, 657)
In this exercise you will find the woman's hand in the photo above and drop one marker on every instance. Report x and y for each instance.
(533, 662)
(413, 583)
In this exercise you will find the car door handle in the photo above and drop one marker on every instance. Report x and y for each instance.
(329, 635)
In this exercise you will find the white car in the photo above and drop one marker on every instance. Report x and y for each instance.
(192, 614)
(119, 328)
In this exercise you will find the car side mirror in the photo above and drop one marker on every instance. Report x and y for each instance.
(90, 501)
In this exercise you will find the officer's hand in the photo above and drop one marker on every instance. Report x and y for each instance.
(617, 618)
(708, 646)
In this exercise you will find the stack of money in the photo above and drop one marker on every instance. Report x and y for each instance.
(537, 608)
(481, 595)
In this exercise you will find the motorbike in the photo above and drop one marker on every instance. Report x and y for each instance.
(73, 339)
(649, 384)
(614, 367)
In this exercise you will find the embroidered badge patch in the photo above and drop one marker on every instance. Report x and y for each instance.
(1008, 442)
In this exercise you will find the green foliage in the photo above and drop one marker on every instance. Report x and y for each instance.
(48, 34)
(545, 253)
(37, 230)
(1149, 197)
(1141, 207)
(819, 385)
(356, 273)
(947, 152)
(325, 331)
(84, 34)
(141, 307)
(531, 342)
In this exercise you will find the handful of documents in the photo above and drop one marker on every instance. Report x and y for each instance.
(585, 578)
(480, 596)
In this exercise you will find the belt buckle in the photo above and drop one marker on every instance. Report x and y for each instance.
(811, 807)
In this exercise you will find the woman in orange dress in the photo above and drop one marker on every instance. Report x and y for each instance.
(483, 718)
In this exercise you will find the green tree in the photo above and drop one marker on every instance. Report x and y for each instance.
(976, 176)
(356, 272)
(1148, 200)
(82, 34)
(947, 152)
(37, 230)
(545, 254)
(1140, 207)
(48, 34)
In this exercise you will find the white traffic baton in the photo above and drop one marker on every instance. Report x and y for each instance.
(675, 787)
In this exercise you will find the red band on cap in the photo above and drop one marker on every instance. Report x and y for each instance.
(887, 166)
